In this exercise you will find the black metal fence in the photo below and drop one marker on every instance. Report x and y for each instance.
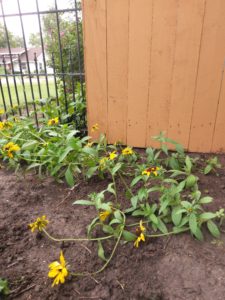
(53, 72)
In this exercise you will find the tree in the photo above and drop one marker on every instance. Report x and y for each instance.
(34, 40)
(69, 43)
(14, 40)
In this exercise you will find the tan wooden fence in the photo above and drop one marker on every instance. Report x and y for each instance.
(156, 65)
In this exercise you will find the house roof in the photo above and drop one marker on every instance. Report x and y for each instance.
(21, 52)
(30, 54)
(5, 51)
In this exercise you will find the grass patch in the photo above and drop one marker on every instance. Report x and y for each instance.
(28, 92)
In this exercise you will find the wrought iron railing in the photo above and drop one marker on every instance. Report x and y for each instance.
(65, 75)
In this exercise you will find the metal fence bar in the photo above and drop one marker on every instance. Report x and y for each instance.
(61, 57)
(8, 87)
(28, 66)
(10, 57)
(42, 47)
(66, 65)
(55, 81)
(42, 12)
(23, 85)
(3, 98)
(44, 74)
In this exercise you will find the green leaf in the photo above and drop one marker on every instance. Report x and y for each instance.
(90, 226)
(206, 200)
(135, 180)
(134, 201)
(193, 223)
(213, 229)
(188, 164)
(176, 216)
(161, 226)
(186, 204)
(198, 234)
(118, 215)
(101, 252)
(90, 172)
(116, 168)
(114, 221)
(129, 236)
(83, 202)
(207, 169)
(107, 229)
(111, 189)
(69, 177)
(153, 218)
(29, 145)
(207, 216)
(64, 154)
(164, 205)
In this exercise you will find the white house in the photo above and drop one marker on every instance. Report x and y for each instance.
(17, 53)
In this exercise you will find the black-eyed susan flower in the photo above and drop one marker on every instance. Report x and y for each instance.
(95, 127)
(127, 151)
(141, 236)
(5, 125)
(103, 162)
(112, 155)
(152, 170)
(58, 270)
(104, 215)
(10, 148)
(39, 224)
(53, 121)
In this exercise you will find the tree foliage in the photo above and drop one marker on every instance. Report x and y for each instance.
(15, 41)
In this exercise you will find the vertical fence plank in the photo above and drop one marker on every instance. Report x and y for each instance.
(140, 21)
(117, 62)
(95, 63)
(188, 37)
(209, 77)
(218, 144)
(161, 66)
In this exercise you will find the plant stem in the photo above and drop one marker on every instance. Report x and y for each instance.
(114, 182)
(75, 239)
(125, 184)
(165, 234)
(111, 256)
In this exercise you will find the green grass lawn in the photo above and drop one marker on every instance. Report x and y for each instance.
(44, 93)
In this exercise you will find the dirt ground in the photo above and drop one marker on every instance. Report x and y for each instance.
(169, 268)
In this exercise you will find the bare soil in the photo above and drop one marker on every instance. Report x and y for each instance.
(170, 268)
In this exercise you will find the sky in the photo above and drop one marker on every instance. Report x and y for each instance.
(30, 22)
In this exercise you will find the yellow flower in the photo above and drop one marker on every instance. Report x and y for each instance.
(5, 125)
(53, 121)
(11, 147)
(141, 237)
(58, 270)
(95, 127)
(39, 224)
(152, 170)
(112, 155)
(89, 145)
(102, 162)
(104, 215)
(127, 151)
(2, 111)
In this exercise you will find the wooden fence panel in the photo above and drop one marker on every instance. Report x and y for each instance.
(155, 65)
(162, 60)
(139, 60)
(95, 63)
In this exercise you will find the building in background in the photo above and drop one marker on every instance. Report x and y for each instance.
(17, 53)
